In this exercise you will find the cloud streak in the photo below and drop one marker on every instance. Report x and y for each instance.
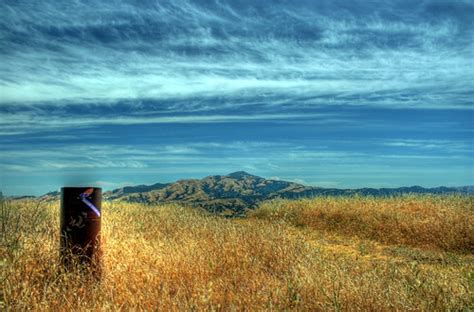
(181, 50)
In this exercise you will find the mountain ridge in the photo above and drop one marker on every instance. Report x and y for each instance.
(235, 192)
(238, 191)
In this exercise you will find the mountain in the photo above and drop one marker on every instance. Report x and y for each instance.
(238, 191)
(124, 191)
(235, 192)
(232, 193)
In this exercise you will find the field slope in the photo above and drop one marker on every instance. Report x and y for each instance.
(326, 254)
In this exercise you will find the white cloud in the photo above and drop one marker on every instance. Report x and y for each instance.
(446, 145)
(181, 58)
(30, 122)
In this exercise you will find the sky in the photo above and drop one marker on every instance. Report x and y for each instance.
(336, 93)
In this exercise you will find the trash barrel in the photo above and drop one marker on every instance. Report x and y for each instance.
(80, 227)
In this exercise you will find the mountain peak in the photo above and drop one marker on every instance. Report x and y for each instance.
(240, 175)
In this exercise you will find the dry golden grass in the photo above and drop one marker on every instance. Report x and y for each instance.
(443, 222)
(171, 258)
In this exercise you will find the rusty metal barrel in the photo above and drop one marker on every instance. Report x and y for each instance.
(80, 226)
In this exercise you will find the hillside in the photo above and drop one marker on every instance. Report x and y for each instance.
(236, 192)
(240, 190)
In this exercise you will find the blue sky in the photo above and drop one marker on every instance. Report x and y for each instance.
(326, 93)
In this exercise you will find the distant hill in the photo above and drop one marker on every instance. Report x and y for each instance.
(240, 190)
(235, 192)
(124, 191)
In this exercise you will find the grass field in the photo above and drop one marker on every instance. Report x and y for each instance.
(325, 254)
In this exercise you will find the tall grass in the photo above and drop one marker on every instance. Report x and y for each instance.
(443, 222)
(171, 258)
